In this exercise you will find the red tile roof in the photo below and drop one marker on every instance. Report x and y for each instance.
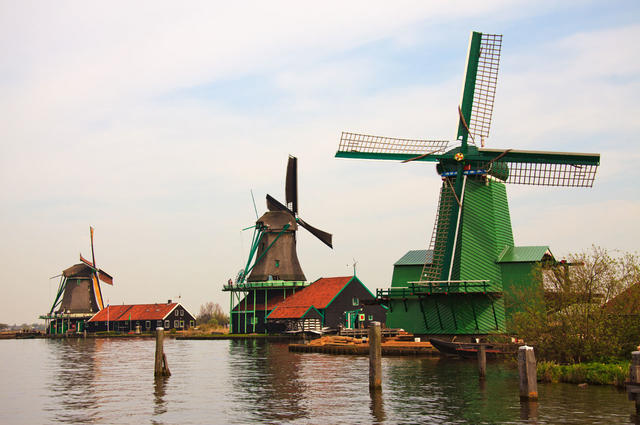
(319, 294)
(283, 312)
(134, 312)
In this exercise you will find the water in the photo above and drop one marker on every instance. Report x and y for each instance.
(110, 381)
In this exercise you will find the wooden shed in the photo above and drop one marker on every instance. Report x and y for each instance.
(328, 302)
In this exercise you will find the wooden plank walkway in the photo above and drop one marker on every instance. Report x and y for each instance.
(363, 349)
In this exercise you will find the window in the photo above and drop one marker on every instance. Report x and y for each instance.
(181, 312)
(277, 263)
(190, 323)
(182, 323)
(147, 324)
(167, 324)
(158, 323)
(355, 301)
(177, 313)
(371, 317)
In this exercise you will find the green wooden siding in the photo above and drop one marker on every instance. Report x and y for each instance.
(404, 274)
(485, 231)
(520, 284)
(448, 314)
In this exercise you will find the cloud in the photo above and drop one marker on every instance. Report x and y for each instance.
(154, 124)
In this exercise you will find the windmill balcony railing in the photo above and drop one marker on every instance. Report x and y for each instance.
(423, 288)
(245, 286)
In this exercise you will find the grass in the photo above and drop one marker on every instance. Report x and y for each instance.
(590, 373)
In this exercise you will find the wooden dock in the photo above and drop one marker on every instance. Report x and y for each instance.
(399, 345)
(363, 350)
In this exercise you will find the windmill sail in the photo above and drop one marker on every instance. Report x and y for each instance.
(274, 205)
(291, 184)
(481, 78)
(364, 146)
(568, 169)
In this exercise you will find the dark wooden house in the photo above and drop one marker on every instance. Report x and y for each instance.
(127, 318)
(328, 302)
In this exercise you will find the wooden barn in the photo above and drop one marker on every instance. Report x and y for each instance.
(127, 318)
(328, 302)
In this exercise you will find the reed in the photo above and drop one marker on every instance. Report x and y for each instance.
(589, 373)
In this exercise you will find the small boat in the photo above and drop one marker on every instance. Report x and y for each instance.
(469, 349)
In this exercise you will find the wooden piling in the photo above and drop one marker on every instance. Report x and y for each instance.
(633, 386)
(375, 356)
(482, 361)
(161, 367)
(528, 375)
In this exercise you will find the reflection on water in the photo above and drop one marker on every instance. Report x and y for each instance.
(108, 381)
(377, 408)
(159, 391)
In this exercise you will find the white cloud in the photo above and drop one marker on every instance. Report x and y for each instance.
(103, 124)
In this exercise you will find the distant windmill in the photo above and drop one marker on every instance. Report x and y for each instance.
(274, 244)
(79, 295)
(461, 285)
(273, 270)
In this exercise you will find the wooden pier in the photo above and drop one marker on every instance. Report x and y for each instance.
(400, 345)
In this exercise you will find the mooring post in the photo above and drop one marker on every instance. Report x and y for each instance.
(375, 356)
(161, 368)
(633, 386)
(528, 373)
(482, 361)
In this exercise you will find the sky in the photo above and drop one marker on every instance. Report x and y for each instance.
(153, 121)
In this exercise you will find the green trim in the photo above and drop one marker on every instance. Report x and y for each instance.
(284, 229)
(453, 220)
(469, 86)
(318, 311)
(58, 299)
(386, 156)
(345, 285)
(485, 155)
(255, 241)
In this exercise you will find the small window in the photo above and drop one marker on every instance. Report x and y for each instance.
(277, 263)
(355, 301)
(191, 323)
(177, 313)
(176, 323)
(181, 312)
(167, 324)
(371, 317)
(147, 324)
(182, 323)
(159, 323)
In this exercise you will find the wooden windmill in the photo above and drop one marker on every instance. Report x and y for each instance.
(461, 285)
(272, 267)
(79, 295)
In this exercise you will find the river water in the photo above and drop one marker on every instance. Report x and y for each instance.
(110, 381)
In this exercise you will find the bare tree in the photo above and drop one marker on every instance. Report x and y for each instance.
(212, 313)
(584, 311)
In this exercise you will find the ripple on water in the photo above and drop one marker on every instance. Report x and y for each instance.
(110, 381)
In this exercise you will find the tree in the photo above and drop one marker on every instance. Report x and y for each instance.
(585, 309)
(212, 313)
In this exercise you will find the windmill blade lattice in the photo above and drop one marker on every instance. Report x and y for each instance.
(485, 85)
(367, 144)
(544, 168)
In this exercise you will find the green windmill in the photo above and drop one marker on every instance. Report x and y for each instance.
(472, 260)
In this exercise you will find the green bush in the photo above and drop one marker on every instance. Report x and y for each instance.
(590, 373)
(585, 312)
